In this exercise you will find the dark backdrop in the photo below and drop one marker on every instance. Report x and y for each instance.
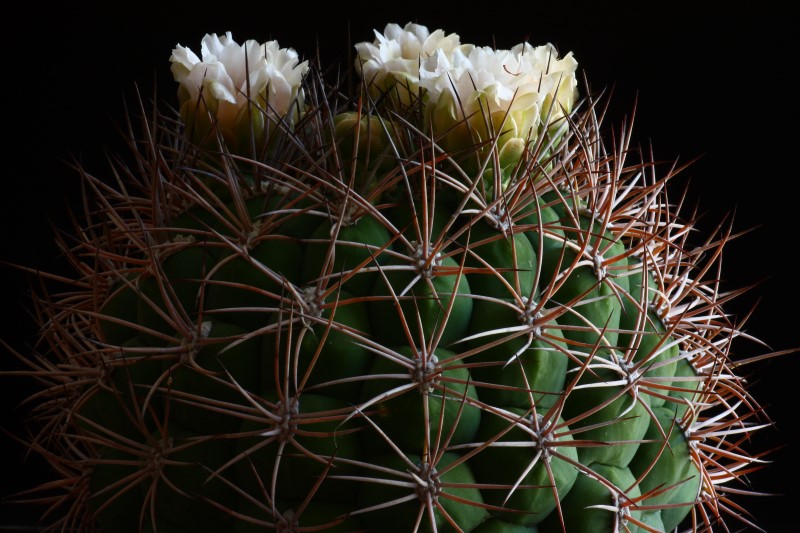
(714, 85)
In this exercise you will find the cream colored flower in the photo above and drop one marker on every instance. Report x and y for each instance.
(240, 88)
(555, 78)
(510, 93)
(472, 95)
(392, 60)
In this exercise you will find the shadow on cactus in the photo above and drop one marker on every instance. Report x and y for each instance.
(444, 304)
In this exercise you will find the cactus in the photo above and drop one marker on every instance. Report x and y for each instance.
(405, 310)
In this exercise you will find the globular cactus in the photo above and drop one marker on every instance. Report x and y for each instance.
(445, 303)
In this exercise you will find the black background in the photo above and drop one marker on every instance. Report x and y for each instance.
(718, 85)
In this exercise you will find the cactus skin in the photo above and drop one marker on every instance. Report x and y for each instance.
(331, 334)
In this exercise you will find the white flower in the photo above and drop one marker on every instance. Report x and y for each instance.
(473, 94)
(393, 58)
(512, 92)
(237, 86)
(555, 78)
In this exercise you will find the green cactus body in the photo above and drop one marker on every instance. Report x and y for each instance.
(508, 364)
(599, 501)
(354, 336)
(539, 462)
(448, 488)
